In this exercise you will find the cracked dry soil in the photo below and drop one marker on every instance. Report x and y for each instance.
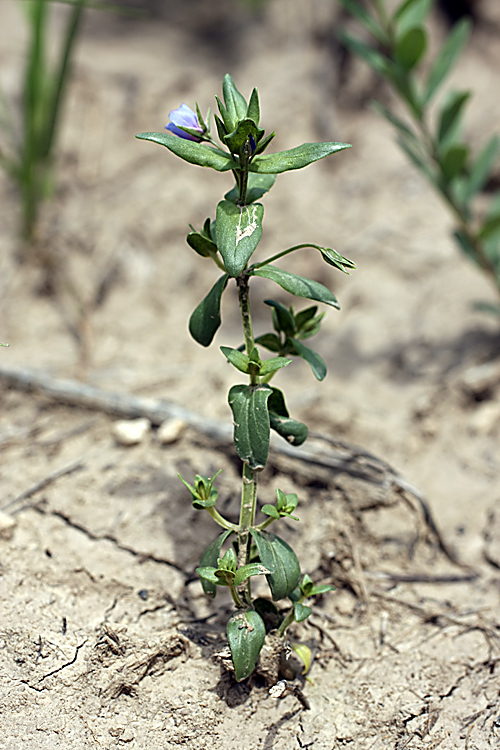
(106, 640)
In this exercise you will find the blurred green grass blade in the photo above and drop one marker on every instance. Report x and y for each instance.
(60, 79)
(450, 50)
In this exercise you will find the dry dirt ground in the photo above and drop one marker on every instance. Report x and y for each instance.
(106, 639)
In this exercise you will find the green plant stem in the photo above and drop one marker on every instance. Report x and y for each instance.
(249, 476)
(247, 519)
(221, 520)
(285, 252)
(236, 597)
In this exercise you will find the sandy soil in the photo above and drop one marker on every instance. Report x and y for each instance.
(106, 639)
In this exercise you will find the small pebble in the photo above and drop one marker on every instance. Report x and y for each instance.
(7, 526)
(170, 430)
(130, 431)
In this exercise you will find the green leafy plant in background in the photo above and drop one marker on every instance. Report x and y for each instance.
(248, 549)
(432, 136)
(29, 157)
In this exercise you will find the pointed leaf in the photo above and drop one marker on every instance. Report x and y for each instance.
(246, 634)
(237, 358)
(294, 158)
(206, 319)
(238, 231)
(280, 558)
(335, 259)
(273, 364)
(192, 152)
(298, 285)
(482, 167)
(449, 52)
(251, 423)
(252, 569)
(236, 105)
(209, 560)
(282, 317)
(449, 117)
(258, 185)
(253, 111)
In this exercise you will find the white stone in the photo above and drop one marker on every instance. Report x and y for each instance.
(170, 430)
(486, 418)
(7, 526)
(130, 431)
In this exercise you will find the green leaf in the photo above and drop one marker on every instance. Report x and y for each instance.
(313, 359)
(258, 185)
(269, 341)
(304, 653)
(246, 634)
(251, 423)
(301, 612)
(290, 429)
(449, 52)
(321, 589)
(335, 259)
(209, 559)
(297, 285)
(482, 167)
(293, 431)
(273, 364)
(237, 358)
(252, 569)
(207, 574)
(280, 421)
(236, 105)
(270, 510)
(410, 47)
(206, 318)
(193, 152)
(410, 14)
(294, 158)
(201, 245)
(282, 317)
(453, 160)
(450, 114)
(305, 316)
(253, 111)
(280, 558)
(490, 227)
(238, 231)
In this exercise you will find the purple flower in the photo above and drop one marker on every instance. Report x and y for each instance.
(184, 117)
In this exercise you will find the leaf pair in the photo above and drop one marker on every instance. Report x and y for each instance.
(257, 410)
